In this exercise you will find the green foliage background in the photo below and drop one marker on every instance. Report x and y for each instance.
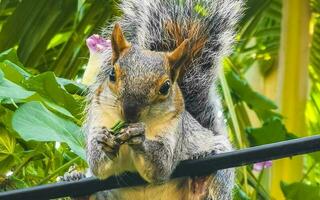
(42, 58)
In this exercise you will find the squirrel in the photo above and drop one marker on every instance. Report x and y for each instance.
(160, 78)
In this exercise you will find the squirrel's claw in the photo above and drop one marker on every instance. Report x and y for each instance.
(136, 140)
(202, 155)
(107, 142)
(72, 175)
(132, 134)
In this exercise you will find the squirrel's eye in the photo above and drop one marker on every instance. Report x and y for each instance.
(112, 75)
(164, 89)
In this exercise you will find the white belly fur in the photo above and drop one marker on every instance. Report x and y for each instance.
(174, 189)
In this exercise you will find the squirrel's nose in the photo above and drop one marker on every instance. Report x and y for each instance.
(131, 111)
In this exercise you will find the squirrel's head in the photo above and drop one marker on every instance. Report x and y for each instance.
(143, 83)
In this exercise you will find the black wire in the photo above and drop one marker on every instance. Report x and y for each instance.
(199, 167)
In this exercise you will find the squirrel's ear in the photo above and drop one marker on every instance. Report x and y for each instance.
(118, 42)
(177, 57)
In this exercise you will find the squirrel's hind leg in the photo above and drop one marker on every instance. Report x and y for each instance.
(203, 142)
(74, 175)
(222, 184)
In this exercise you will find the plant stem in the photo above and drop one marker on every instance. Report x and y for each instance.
(308, 172)
(54, 173)
(255, 193)
(260, 190)
(26, 160)
(230, 105)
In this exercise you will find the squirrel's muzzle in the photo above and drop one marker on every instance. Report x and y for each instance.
(131, 110)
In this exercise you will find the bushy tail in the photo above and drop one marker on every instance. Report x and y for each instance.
(161, 25)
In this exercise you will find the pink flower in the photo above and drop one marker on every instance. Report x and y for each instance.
(262, 165)
(96, 43)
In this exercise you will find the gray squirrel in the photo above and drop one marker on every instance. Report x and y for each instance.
(160, 78)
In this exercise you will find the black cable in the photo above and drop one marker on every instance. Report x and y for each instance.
(200, 167)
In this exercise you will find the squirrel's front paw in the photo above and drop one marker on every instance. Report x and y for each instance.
(133, 134)
(107, 142)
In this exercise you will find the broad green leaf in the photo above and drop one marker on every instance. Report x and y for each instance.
(51, 105)
(272, 131)
(13, 72)
(73, 87)
(34, 122)
(265, 115)
(57, 108)
(11, 55)
(10, 90)
(47, 86)
(242, 88)
(300, 191)
(11, 66)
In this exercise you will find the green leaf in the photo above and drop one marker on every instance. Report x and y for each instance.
(10, 90)
(1, 77)
(73, 87)
(271, 131)
(46, 126)
(47, 86)
(6, 165)
(300, 191)
(243, 90)
(55, 108)
(11, 66)
(7, 147)
(11, 55)
(50, 18)
(239, 194)
(5, 119)
(7, 144)
(16, 24)
(315, 156)
(68, 62)
(13, 72)
(33, 24)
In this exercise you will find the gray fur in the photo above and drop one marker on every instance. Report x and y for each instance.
(190, 141)
(197, 131)
(143, 23)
